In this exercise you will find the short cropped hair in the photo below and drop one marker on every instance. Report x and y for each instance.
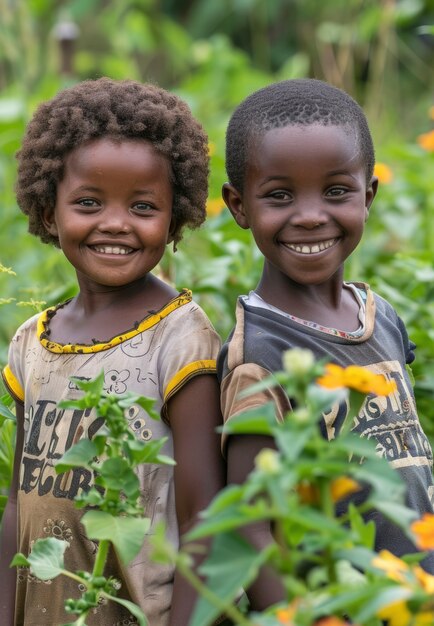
(296, 102)
(120, 110)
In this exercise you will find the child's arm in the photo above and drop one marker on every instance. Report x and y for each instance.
(9, 540)
(194, 414)
(267, 589)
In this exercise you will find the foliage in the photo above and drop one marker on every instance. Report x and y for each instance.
(114, 515)
(213, 55)
(324, 558)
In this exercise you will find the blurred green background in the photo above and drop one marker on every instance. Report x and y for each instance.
(213, 54)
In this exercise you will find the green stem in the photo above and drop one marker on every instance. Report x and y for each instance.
(228, 609)
(101, 558)
(328, 509)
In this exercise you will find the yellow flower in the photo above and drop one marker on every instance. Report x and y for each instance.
(342, 487)
(431, 112)
(383, 173)
(356, 377)
(211, 148)
(424, 531)
(396, 614)
(426, 141)
(426, 580)
(395, 568)
(214, 207)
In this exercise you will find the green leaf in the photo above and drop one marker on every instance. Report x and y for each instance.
(79, 455)
(145, 403)
(6, 412)
(258, 421)
(133, 608)
(149, 452)
(364, 530)
(126, 534)
(117, 474)
(399, 514)
(232, 564)
(45, 559)
(379, 598)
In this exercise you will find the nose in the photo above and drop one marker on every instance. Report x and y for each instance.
(114, 220)
(309, 215)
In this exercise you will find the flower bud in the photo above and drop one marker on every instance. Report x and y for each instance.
(298, 361)
(268, 461)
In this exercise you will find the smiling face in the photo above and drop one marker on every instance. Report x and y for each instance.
(113, 211)
(305, 200)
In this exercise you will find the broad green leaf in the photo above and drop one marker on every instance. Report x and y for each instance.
(117, 474)
(125, 533)
(79, 455)
(228, 496)
(258, 421)
(45, 559)
(232, 564)
(399, 514)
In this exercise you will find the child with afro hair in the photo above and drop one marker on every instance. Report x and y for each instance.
(111, 172)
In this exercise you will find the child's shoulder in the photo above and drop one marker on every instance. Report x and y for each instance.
(29, 326)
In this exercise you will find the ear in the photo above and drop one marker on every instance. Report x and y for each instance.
(48, 218)
(172, 229)
(371, 191)
(234, 202)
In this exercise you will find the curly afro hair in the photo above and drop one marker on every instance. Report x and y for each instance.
(296, 102)
(122, 109)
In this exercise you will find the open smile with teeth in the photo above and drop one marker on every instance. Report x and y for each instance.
(122, 250)
(311, 248)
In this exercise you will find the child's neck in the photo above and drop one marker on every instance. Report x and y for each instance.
(101, 314)
(331, 304)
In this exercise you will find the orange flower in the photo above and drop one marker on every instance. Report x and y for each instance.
(357, 378)
(308, 493)
(424, 531)
(214, 207)
(342, 487)
(383, 173)
(285, 616)
(426, 141)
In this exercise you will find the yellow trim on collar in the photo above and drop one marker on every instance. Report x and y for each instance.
(12, 384)
(151, 320)
(205, 366)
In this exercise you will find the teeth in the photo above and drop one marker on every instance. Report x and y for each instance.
(112, 249)
(311, 248)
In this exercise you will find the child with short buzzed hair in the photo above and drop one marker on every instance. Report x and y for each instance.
(300, 161)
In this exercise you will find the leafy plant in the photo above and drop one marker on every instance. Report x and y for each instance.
(325, 560)
(114, 516)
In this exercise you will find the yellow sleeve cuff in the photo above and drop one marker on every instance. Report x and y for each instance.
(12, 384)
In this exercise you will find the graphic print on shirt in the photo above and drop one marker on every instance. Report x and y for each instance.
(391, 420)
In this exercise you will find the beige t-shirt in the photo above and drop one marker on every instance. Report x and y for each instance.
(154, 360)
